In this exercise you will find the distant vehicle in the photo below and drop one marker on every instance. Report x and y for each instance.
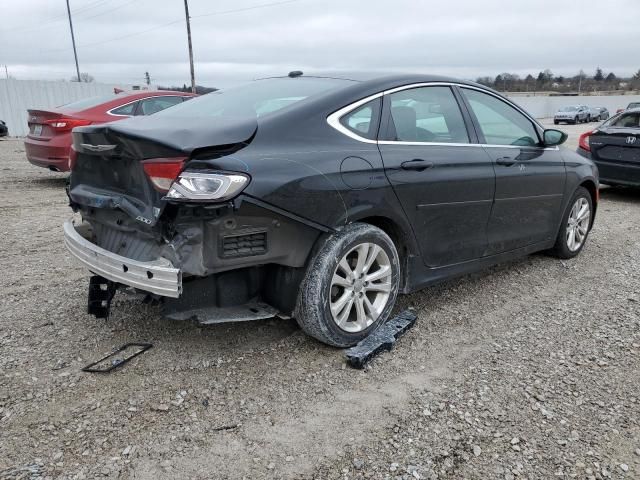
(598, 114)
(4, 130)
(629, 107)
(49, 138)
(615, 148)
(572, 114)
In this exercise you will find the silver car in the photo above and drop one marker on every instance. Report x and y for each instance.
(597, 114)
(572, 114)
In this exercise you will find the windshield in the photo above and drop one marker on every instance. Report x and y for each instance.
(568, 109)
(255, 99)
(89, 102)
(634, 105)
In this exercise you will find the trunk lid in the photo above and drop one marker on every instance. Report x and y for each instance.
(38, 126)
(616, 144)
(108, 171)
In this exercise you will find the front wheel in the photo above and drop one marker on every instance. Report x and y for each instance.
(575, 225)
(350, 286)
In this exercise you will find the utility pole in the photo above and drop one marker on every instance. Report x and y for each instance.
(6, 72)
(147, 78)
(73, 40)
(193, 75)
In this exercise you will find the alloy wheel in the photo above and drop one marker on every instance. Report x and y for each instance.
(578, 224)
(360, 287)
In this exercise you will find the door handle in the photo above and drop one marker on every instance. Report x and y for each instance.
(416, 164)
(506, 161)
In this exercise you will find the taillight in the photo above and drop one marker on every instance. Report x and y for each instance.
(583, 142)
(163, 171)
(66, 124)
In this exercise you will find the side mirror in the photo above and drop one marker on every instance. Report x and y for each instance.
(552, 137)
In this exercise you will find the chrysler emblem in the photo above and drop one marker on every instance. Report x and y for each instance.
(631, 140)
(97, 148)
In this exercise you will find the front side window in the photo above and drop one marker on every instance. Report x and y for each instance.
(426, 114)
(500, 123)
(363, 121)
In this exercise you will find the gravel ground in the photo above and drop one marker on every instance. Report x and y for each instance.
(528, 370)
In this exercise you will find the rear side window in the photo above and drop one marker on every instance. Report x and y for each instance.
(127, 109)
(364, 120)
(149, 106)
(426, 114)
(500, 123)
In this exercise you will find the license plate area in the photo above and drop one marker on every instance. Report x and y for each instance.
(36, 130)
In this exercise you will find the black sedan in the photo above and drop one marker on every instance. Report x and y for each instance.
(615, 148)
(4, 130)
(320, 198)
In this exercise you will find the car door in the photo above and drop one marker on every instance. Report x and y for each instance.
(441, 175)
(530, 178)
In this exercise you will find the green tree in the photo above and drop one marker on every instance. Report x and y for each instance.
(599, 76)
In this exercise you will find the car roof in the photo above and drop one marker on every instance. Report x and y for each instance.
(372, 81)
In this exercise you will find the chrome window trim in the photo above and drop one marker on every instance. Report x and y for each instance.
(334, 119)
(109, 112)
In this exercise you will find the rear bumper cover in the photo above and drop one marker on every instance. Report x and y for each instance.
(158, 276)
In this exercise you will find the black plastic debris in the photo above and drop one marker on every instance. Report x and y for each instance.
(101, 292)
(117, 358)
(381, 340)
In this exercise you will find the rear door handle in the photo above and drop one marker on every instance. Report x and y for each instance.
(416, 164)
(506, 161)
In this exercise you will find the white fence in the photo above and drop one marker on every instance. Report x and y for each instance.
(16, 96)
(541, 107)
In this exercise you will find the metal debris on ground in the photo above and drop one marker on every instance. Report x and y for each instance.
(117, 358)
(380, 340)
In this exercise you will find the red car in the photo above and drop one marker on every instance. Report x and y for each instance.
(49, 139)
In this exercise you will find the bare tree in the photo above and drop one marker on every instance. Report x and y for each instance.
(84, 77)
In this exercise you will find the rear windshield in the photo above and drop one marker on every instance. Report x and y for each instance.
(625, 120)
(634, 105)
(89, 102)
(568, 109)
(255, 99)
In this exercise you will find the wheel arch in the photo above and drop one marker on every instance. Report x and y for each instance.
(402, 237)
(592, 188)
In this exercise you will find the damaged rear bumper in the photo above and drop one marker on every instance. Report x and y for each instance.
(158, 276)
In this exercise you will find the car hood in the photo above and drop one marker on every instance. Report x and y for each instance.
(183, 134)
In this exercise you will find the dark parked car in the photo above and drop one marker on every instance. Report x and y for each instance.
(49, 138)
(615, 148)
(320, 198)
(597, 114)
(4, 130)
(572, 114)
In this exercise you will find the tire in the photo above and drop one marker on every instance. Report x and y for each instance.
(575, 121)
(588, 119)
(319, 292)
(562, 248)
(555, 122)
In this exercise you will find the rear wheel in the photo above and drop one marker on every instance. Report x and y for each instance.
(576, 222)
(350, 286)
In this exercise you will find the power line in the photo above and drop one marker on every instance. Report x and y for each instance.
(224, 12)
(55, 20)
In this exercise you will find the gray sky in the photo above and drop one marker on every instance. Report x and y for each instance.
(461, 38)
